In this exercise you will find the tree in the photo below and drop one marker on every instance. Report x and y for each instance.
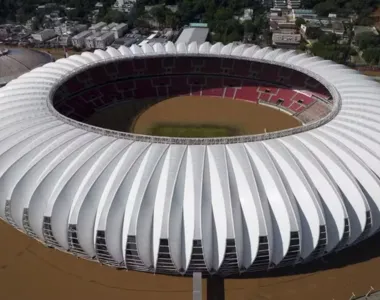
(328, 38)
(115, 16)
(323, 9)
(158, 13)
(313, 32)
(372, 56)
(299, 22)
(367, 40)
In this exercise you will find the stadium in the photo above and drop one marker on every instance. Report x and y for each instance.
(221, 204)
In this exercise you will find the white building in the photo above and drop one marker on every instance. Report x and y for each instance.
(124, 5)
(287, 3)
(97, 27)
(78, 41)
(267, 3)
(119, 30)
(90, 40)
(44, 35)
(106, 39)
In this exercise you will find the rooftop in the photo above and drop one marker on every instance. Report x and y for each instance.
(15, 62)
(193, 34)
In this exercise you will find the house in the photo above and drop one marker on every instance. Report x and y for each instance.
(90, 42)
(78, 40)
(119, 30)
(106, 39)
(44, 35)
(97, 27)
(363, 29)
(286, 41)
(194, 33)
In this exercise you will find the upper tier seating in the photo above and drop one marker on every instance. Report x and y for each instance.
(82, 104)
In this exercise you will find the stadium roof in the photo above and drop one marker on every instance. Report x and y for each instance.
(120, 196)
(15, 62)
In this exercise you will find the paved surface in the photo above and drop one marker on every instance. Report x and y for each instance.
(28, 269)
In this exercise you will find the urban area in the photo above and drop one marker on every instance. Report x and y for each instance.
(343, 31)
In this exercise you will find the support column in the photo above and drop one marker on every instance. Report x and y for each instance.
(215, 288)
(197, 286)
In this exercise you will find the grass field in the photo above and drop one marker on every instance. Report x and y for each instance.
(201, 131)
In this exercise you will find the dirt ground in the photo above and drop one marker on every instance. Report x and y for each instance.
(28, 270)
(247, 117)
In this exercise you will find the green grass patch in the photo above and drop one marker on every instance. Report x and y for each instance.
(192, 131)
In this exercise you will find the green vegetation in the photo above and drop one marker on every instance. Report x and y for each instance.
(192, 131)
(369, 44)
(343, 8)
(329, 47)
(219, 14)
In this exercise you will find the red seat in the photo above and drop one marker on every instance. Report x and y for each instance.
(248, 93)
(283, 94)
(303, 99)
(268, 89)
(213, 87)
(230, 92)
(264, 97)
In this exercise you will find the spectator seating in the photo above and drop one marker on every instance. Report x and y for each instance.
(152, 77)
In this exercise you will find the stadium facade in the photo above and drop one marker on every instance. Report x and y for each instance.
(222, 206)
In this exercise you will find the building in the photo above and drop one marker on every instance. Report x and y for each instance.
(97, 27)
(108, 27)
(247, 15)
(106, 39)
(287, 3)
(15, 62)
(119, 30)
(286, 40)
(124, 5)
(124, 41)
(194, 33)
(78, 41)
(65, 40)
(267, 3)
(90, 42)
(363, 29)
(44, 35)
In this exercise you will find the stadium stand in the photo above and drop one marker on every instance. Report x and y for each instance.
(105, 84)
